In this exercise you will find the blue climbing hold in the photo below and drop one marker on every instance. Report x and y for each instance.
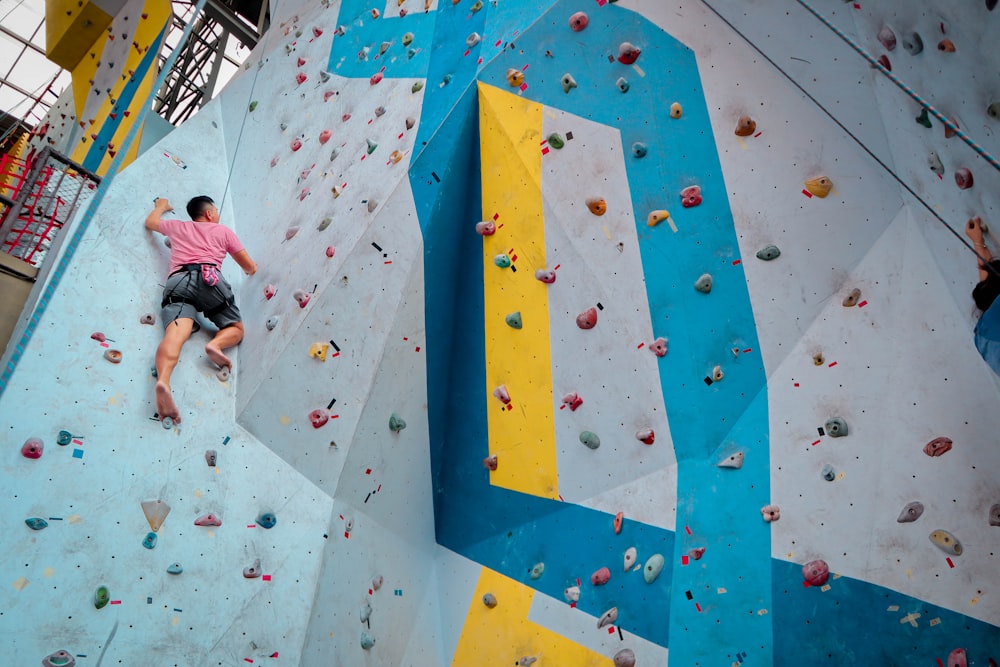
(64, 438)
(267, 520)
(36, 523)
(150, 540)
(174, 568)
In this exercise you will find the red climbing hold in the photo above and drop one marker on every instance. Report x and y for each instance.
(32, 448)
(547, 276)
(645, 436)
(816, 572)
(887, 38)
(269, 291)
(324, 136)
(296, 145)
(376, 77)
(301, 77)
(587, 319)
(98, 336)
(883, 60)
(601, 577)
(486, 228)
(628, 53)
(691, 196)
(572, 401)
(501, 394)
(301, 297)
(963, 178)
(208, 520)
(937, 446)
(319, 417)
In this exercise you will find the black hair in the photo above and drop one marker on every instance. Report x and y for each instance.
(198, 205)
(986, 292)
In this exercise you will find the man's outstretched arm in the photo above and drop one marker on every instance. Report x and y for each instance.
(248, 265)
(160, 207)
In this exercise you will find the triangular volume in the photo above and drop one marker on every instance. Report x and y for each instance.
(156, 512)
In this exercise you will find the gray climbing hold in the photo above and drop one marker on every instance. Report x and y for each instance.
(367, 641)
(625, 658)
(167, 422)
(608, 617)
(767, 253)
(995, 515)
(36, 523)
(835, 427)
(149, 541)
(372, 205)
(911, 512)
(568, 82)
(527, 661)
(252, 571)
(272, 322)
(639, 149)
(211, 457)
(513, 320)
(366, 611)
(732, 461)
(829, 474)
(912, 43)
(651, 570)
(396, 423)
(59, 659)
(537, 570)
(174, 568)
(993, 110)
(622, 84)
(704, 283)
(490, 600)
(590, 439)
(324, 223)
(935, 164)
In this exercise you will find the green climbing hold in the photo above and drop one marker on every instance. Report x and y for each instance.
(396, 423)
(371, 146)
(174, 568)
(150, 540)
(652, 568)
(556, 141)
(253, 105)
(64, 438)
(502, 260)
(768, 253)
(416, 87)
(324, 223)
(514, 320)
(101, 597)
(36, 523)
(590, 439)
(924, 118)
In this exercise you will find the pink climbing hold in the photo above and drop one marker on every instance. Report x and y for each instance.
(887, 38)
(296, 145)
(572, 401)
(330, 251)
(486, 228)
(303, 194)
(646, 436)
(770, 513)
(691, 196)
(301, 297)
(274, 162)
(628, 53)
(300, 77)
(324, 136)
(376, 77)
(601, 577)
(963, 178)
(937, 446)
(32, 448)
(816, 572)
(319, 417)
(317, 31)
(98, 336)
(547, 276)
(269, 291)
(587, 319)
(501, 394)
(578, 21)
(208, 520)
(957, 658)
(659, 347)
(490, 462)
(346, 117)
(696, 553)
(327, 95)
(301, 61)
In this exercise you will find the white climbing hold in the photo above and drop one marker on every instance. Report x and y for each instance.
(572, 594)
(630, 557)
(732, 461)
(608, 617)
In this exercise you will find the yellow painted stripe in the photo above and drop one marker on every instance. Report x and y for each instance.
(504, 635)
(522, 436)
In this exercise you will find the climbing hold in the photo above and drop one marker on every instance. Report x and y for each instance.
(732, 461)
(934, 162)
(101, 597)
(502, 260)
(324, 136)
(324, 223)
(371, 146)
(946, 542)
(993, 110)
(515, 77)
(630, 557)
(486, 228)
(912, 43)
(64, 438)
(597, 205)
(578, 21)
(501, 394)
(676, 110)
(994, 518)
(911, 512)
(156, 512)
(816, 572)
(302, 297)
(295, 145)
(252, 571)
(600, 577)
(651, 570)
(924, 118)
(852, 298)
(767, 253)
(590, 439)
(656, 217)
(366, 611)
(167, 423)
(691, 196)
(645, 436)
(828, 473)
(659, 347)
(267, 520)
(476, 6)
(300, 78)
(372, 204)
(568, 82)
(396, 423)
(963, 179)
(818, 359)
(490, 600)
(526, 661)
(704, 283)
(887, 38)
(32, 448)
(625, 658)
(269, 291)
(407, 38)
(513, 320)
(59, 659)
(147, 318)
(417, 86)
(572, 401)
(957, 658)
(770, 513)
(572, 594)
(490, 462)
(696, 553)
(835, 427)
(99, 337)
(937, 446)
(745, 126)
(639, 149)
(319, 350)
(271, 323)
(36, 523)
(587, 319)
(211, 457)
(628, 53)
(608, 617)
(379, 111)
(618, 522)
(149, 541)
(547, 276)
(819, 186)
(208, 520)
(537, 570)
(367, 641)
(946, 46)
(473, 39)
(556, 141)
(114, 356)
(395, 157)
(377, 582)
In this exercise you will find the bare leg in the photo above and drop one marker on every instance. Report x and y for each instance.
(226, 338)
(167, 354)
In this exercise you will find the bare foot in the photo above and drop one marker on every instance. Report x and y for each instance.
(165, 406)
(217, 357)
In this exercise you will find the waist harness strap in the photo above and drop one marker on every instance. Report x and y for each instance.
(210, 313)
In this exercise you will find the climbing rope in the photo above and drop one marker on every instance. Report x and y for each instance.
(951, 126)
(88, 215)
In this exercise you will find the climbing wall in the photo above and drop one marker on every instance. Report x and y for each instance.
(581, 331)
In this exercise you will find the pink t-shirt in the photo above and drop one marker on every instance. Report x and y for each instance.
(198, 242)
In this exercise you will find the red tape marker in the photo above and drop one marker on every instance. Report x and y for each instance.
(950, 564)
(807, 193)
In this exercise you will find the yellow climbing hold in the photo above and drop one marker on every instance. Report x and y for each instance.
(819, 186)
(656, 217)
(319, 351)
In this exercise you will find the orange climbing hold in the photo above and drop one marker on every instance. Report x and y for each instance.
(597, 205)
(619, 520)
(515, 77)
(745, 126)
(946, 46)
